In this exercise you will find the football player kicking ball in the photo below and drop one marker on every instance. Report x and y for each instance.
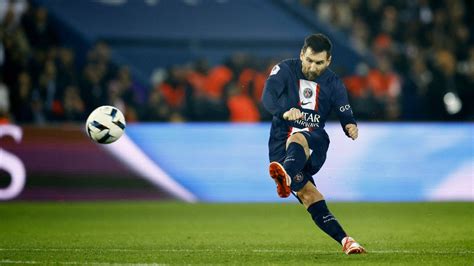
(300, 94)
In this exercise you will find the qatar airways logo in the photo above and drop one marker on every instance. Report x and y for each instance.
(309, 117)
(308, 120)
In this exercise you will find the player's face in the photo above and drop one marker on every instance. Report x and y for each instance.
(313, 64)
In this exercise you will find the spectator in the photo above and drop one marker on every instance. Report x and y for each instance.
(66, 68)
(241, 106)
(22, 99)
(13, 8)
(49, 91)
(365, 104)
(122, 95)
(209, 103)
(156, 108)
(39, 30)
(449, 95)
(385, 86)
(74, 107)
(414, 103)
(4, 103)
(177, 93)
(93, 90)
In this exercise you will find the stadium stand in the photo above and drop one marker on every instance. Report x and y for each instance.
(208, 60)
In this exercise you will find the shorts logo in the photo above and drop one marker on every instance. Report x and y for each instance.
(307, 93)
(298, 177)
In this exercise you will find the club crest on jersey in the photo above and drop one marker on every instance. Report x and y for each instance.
(307, 93)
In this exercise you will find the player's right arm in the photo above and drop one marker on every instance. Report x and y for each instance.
(273, 91)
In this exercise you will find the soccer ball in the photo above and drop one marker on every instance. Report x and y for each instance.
(105, 124)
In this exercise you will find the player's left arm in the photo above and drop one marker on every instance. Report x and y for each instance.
(344, 110)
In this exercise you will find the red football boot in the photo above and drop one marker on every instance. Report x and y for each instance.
(350, 246)
(281, 178)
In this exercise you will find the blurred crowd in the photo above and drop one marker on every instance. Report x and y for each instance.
(230, 91)
(40, 80)
(422, 56)
(420, 66)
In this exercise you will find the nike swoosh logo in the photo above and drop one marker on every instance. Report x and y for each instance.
(305, 103)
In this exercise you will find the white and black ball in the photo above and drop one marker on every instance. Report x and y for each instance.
(105, 124)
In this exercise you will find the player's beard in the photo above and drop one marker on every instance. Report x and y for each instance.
(313, 75)
(310, 75)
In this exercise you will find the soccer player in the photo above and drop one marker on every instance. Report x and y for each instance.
(300, 94)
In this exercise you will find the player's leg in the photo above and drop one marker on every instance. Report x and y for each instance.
(297, 154)
(314, 201)
(315, 204)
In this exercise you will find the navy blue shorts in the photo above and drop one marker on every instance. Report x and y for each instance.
(318, 142)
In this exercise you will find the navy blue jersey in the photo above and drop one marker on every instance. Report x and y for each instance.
(286, 87)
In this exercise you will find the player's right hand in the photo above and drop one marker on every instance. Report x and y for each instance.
(292, 114)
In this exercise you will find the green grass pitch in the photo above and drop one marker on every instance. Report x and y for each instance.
(251, 234)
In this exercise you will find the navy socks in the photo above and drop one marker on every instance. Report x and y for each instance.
(295, 159)
(326, 221)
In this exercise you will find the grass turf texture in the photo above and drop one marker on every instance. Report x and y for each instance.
(176, 233)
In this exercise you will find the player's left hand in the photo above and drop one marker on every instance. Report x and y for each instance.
(352, 131)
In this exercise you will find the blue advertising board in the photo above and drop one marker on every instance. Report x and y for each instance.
(388, 162)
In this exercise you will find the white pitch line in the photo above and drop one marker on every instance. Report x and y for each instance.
(369, 251)
(203, 250)
(19, 262)
(73, 263)
(235, 251)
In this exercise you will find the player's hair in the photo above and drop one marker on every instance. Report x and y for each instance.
(318, 43)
